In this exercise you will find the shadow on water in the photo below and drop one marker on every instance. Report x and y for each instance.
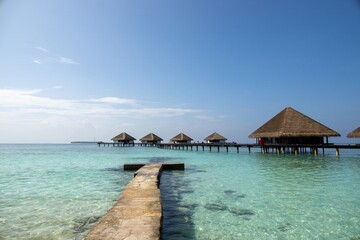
(177, 216)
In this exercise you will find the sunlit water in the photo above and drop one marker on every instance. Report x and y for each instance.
(60, 191)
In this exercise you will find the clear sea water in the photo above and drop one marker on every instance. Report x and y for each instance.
(60, 191)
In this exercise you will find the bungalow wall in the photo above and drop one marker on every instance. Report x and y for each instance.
(295, 140)
(125, 142)
(151, 142)
(181, 142)
(216, 141)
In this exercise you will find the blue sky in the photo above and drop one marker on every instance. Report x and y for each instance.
(85, 70)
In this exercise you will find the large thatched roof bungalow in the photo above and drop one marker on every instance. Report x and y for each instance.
(292, 127)
(215, 138)
(123, 138)
(354, 134)
(151, 138)
(181, 138)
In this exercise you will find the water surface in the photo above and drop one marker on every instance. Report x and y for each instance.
(60, 191)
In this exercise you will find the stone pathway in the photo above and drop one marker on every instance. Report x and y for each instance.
(138, 212)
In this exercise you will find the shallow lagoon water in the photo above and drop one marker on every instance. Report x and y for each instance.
(60, 191)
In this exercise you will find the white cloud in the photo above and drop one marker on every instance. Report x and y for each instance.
(37, 61)
(18, 98)
(47, 57)
(67, 61)
(32, 116)
(58, 87)
(210, 118)
(42, 49)
(114, 100)
(27, 102)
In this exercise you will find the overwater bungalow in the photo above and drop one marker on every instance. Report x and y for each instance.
(181, 138)
(215, 138)
(151, 138)
(123, 138)
(354, 134)
(292, 127)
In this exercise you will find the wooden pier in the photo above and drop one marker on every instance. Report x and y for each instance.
(138, 212)
(264, 148)
(120, 144)
(207, 146)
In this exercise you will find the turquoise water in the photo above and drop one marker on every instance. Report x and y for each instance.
(60, 191)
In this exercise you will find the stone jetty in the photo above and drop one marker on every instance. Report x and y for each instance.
(138, 212)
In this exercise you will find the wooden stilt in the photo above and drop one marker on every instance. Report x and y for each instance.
(296, 150)
(315, 151)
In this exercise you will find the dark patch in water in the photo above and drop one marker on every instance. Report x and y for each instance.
(229, 192)
(114, 169)
(240, 196)
(357, 237)
(232, 195)
(82, 225)
(186, 191)
(193, 169)
(216, 207)
(285, 227)
(241, 212)
(189, 206)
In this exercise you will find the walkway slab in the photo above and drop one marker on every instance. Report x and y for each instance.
(138, 212)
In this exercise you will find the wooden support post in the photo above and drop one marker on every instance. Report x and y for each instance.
(337, 152)
(278, 150)
(237, 149)
(227, 149)
(315, 151)
(218, 148)
(296, 150)
(249, 149)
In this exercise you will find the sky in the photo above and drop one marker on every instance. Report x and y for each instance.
(91, 69)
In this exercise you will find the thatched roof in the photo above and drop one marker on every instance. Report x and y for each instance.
(151, 137)
(291, 123)
(354, 134)
(215, 136)
(181, 137)
(123, 137)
